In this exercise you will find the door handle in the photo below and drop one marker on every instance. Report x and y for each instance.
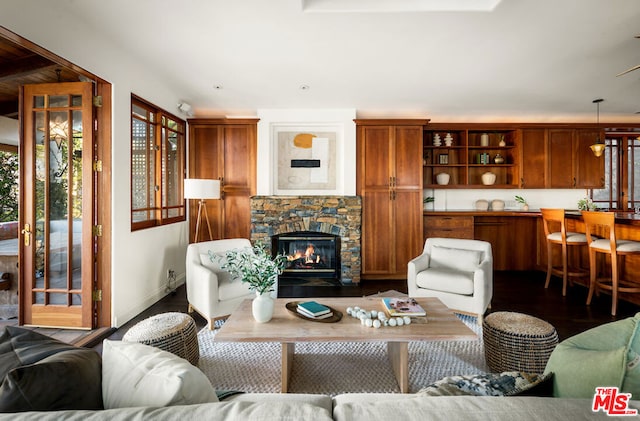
(26, 231)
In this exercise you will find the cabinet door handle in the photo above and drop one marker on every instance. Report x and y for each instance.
(574, 182)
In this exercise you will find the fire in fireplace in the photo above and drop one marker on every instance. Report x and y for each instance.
(309, 254)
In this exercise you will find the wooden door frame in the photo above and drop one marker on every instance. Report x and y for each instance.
(103, 191)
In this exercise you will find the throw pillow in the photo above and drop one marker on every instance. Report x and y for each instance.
(135, 374)
(606, 355)
(42, 373)
(67, 380)
(452, 258)
(509, 383)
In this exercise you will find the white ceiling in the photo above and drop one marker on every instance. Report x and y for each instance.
(526, 60)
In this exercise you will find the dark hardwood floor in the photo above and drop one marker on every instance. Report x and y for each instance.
(522, 292)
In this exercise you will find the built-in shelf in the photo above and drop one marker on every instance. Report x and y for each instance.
(471, 153)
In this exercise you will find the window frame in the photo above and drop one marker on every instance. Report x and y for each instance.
(620, 151)
(158, 128)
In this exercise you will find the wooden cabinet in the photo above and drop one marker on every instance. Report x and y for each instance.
(224, 149)
(571, 164)
(513, 240)
(560, 158)
(589, 169)
(534, 159)
(389, 179)
(473, 150)
(448, 226)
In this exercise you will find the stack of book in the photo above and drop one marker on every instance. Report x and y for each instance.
(314, 310)
(403, 307)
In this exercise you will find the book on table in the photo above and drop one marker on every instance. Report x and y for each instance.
(313, 308)
(403, 307)
(322, 316)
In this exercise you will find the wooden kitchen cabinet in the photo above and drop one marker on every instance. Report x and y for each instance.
(571, 163)
(389, 180)
(589, 169)
(448, 226)
(224, 149)
(534, 159)
(513, 240)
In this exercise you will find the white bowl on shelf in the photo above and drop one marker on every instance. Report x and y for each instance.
(443, 178)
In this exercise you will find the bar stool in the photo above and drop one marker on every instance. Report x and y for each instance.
(603, 223)
(556, 234)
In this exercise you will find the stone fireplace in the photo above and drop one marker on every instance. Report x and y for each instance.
(339, 216)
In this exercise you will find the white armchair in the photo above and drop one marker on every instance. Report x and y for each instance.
(211, 291)
(458, 272)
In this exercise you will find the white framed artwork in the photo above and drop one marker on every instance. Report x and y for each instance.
(306, 158)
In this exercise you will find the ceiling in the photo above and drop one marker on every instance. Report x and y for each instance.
(524, 60)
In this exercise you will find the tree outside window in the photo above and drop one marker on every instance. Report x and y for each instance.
(9, 165)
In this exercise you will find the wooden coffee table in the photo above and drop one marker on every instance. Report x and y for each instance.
(288, 329)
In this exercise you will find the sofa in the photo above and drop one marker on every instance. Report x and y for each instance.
(44, 379)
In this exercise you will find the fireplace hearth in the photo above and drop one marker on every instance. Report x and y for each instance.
(309, 254)
(329, 216)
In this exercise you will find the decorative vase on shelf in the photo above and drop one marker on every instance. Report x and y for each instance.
(502, 143)
(443, 178)
(498, 159)
(484, 139)
(262, 307)
(436, 140)
(497, 205)
(482, 205)
(448, 139)
(488, 178)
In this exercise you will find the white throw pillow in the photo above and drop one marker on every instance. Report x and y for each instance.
(134, 374)
(452, 258)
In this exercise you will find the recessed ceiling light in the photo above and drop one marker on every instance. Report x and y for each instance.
(217, 87)
(304, 87)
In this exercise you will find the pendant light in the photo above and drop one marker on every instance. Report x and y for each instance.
(598, 147)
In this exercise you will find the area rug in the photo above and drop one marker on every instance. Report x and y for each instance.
(334, 368)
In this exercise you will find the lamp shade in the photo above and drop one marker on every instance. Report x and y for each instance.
(196, 188)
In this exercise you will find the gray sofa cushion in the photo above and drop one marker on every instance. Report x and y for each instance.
(481, 408)
(267, 410)
(41, 373)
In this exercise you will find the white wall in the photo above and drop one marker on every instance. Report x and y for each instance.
(346, 145)
(9, 131)
(140, 259)
(464, 199)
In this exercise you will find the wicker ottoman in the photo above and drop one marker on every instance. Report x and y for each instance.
(517, 342)
(173, 332)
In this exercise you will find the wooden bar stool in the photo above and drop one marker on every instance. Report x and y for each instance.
(603, 223)
(556, 234)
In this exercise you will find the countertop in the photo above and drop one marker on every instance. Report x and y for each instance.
(629, 218)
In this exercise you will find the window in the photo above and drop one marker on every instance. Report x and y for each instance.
(157, 166)
(622, 171)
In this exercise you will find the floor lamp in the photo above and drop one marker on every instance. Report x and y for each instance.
(201, 189)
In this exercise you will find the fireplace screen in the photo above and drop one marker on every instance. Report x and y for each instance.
(309, 253)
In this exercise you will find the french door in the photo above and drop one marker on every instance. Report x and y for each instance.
(57, 214)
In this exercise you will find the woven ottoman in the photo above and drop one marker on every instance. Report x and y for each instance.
(174, 332)
(517, 342)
